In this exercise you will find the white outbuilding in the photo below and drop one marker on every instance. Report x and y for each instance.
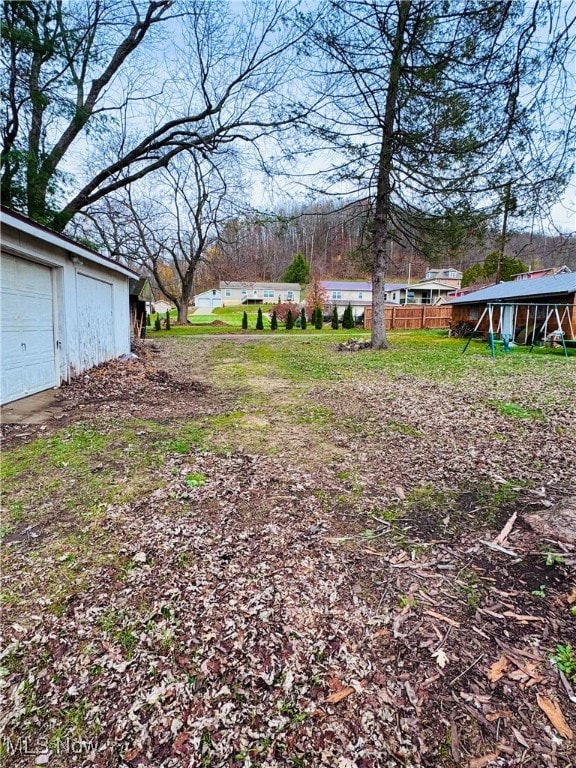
(64, 308)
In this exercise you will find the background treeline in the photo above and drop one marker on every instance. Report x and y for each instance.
(334, 240)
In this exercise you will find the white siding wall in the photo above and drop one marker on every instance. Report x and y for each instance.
(91, 314)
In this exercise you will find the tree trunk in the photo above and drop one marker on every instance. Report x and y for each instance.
(382, 236)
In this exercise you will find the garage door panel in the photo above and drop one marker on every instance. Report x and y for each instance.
(95, 317)
(28, 351)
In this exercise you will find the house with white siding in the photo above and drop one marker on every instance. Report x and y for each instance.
(340, 293)
(64, 308)
(245, 292)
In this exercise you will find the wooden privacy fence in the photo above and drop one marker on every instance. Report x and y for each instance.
(413, 317)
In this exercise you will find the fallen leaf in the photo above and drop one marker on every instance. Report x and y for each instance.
(440, 616)
(441, 658)
(519, 738)
(497, 669)
(554, 714)
(480, 762)
(491, 716)
(400, 492)
(572, 596)
(339, 695)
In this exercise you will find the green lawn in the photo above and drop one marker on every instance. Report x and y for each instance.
(232, 316)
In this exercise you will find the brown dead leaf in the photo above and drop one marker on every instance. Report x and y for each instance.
(382, 633)
(572, 596)
(497, 669)
(491, 716)
(554, 714)
(440, 616)
(400, 492)
(339, 695)
(480, 762)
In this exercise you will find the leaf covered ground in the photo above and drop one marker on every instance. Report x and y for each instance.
(271, 553)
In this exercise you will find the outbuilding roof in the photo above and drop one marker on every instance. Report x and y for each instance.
(29, 227)
(515, 290)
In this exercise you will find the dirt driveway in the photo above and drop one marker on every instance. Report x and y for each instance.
(233, 553)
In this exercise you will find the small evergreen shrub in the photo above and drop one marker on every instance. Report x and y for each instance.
(148, 319)
(289, 321)
(167, 319)
(259, 321)
(319, 319)
(245, 321)
(335, 320)
(157, 323)
(348, 318)
(274, 322)
(303, 319)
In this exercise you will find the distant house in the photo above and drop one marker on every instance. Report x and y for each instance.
(358, 294)
(448, 276)
(208, 299)
(340, 293)
(429, 292)
(161, 307)
(258, 293)
(535, 296)
(547, 272)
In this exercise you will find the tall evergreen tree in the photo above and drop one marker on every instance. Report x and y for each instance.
(335, 319)
(436, 104)
(289, 321)
(274, 322)
(348, 318)
(259, 321)
(303, 319)
(298, 271)
(244, 321)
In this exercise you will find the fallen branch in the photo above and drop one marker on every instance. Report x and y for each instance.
(498, 548)
(505, 532)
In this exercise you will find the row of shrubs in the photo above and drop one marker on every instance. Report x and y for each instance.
(285, 314)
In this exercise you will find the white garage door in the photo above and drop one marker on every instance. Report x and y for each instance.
(28, 349)
(95, 321)
(207, 302)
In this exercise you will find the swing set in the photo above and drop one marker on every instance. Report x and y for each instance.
(541, 323)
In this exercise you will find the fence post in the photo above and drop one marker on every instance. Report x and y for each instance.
(423, 325)
(393, 325)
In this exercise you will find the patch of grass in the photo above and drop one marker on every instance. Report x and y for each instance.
(403, 429)
(195, 480)
(516, 411)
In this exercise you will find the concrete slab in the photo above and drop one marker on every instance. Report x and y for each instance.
(36, 409)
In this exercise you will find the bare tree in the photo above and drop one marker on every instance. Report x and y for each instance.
(166, 227)
(79, 72)
(437, 104)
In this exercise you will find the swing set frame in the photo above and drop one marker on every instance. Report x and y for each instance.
(554, 316)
